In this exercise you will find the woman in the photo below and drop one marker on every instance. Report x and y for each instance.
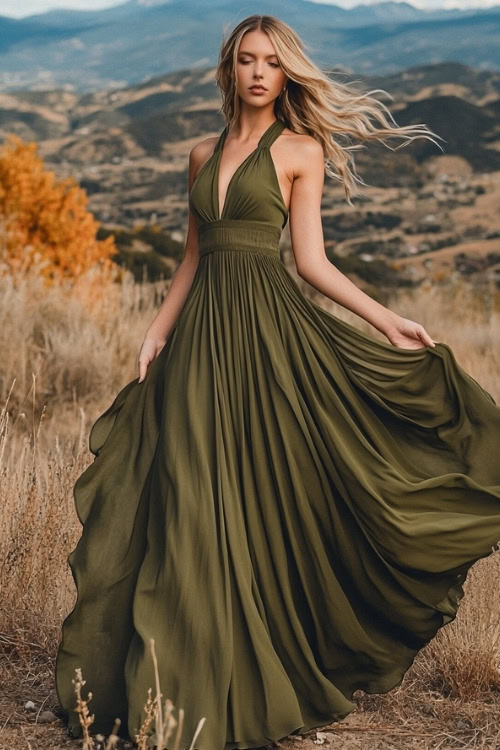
(286, 504)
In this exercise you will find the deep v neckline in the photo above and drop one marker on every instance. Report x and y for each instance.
(220, 150)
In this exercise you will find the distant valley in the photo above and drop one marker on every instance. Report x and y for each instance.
(426, 214)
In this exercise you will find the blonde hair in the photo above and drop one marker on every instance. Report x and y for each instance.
(314, 104)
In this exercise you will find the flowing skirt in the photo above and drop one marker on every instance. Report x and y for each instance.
(286, 504)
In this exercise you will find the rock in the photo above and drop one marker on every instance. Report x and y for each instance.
(46, 717)
(29, 706)
(322, 737)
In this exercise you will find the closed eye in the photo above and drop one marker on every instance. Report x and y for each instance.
(273, 65)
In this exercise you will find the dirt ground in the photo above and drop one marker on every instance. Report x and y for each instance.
(398, 720)
(364, 730)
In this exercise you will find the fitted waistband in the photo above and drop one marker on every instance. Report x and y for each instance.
(238, 234)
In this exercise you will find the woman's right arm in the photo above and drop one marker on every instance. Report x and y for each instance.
(159, 329)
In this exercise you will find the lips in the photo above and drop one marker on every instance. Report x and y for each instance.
(257, 88)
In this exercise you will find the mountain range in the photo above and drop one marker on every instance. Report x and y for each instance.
(124, 45)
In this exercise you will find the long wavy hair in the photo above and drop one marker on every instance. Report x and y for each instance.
(312, 103)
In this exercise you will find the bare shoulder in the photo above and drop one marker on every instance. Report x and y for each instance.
(201, 152)
(302, 152)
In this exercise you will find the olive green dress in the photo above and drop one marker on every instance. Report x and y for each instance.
(286, 504)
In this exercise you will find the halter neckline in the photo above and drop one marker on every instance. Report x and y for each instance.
(264, 137)
(265, 141)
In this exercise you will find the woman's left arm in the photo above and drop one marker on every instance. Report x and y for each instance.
(312, 264)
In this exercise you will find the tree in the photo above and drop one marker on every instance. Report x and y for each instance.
(45, 220)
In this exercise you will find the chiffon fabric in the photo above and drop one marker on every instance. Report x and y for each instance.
(286, 504)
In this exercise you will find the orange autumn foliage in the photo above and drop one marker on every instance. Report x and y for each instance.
(45, 222)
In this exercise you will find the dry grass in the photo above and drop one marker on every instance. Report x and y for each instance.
(80, 344)
(63, 359)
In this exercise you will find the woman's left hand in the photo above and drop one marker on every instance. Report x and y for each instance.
(407, 334)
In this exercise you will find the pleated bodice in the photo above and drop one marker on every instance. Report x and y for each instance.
(253, 194)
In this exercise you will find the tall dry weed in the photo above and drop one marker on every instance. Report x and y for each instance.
(80, 346)
(463, 660)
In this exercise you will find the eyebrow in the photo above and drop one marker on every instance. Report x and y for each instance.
(242, 52)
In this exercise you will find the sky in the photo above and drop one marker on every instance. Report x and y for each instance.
(28, 7)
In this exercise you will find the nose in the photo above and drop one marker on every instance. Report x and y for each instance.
(257, 71)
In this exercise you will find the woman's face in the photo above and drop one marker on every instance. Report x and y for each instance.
(257, 64)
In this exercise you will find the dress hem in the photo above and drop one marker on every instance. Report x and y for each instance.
(303, 729)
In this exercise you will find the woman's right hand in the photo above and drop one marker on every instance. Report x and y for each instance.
(150, 349)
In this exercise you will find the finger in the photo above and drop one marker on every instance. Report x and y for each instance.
(426, 338)
(142, 371)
